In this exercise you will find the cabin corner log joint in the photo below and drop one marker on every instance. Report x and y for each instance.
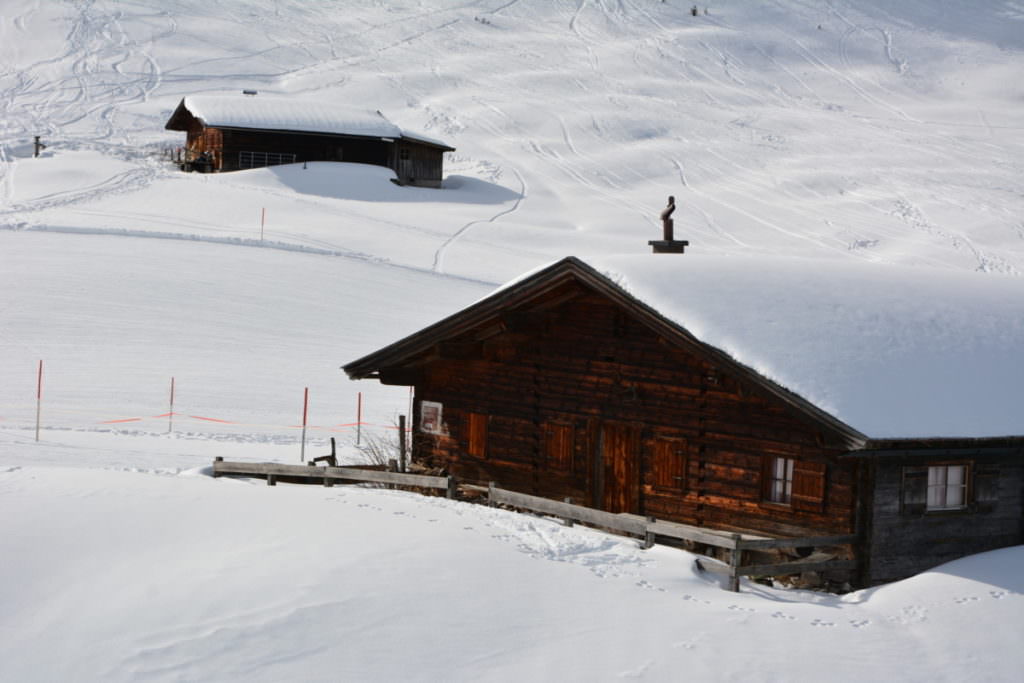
(230, 133)
(563, 385)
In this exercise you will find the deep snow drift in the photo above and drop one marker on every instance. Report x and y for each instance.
(143, 576)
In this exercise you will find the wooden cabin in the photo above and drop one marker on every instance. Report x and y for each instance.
(566, 385)
(229, 133)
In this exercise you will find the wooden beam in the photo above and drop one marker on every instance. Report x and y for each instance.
(405, 377)
(630, 524)
(710, 564)
(319, 474)
(795, 567)
(686, 532)
(807, 542)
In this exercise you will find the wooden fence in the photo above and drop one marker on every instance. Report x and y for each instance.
(650, 528)
(646, 528)
(328, 476)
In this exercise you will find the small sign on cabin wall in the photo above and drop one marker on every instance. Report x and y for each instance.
(430, 417)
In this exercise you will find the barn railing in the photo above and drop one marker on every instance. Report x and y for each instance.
(261, 159)
(648, 529)
(328, 476)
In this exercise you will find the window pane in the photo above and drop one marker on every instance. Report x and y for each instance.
(954, 496)
(780, 484)
(947, 487)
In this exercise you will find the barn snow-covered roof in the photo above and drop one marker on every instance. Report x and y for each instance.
(890, 352)
(264, 112)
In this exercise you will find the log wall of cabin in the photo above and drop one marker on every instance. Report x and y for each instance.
(585, 364)
(905, 541)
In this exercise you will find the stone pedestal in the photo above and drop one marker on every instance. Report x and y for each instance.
(668, 246)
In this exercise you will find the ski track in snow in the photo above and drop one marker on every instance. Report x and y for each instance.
(438, 263)
(106, 65)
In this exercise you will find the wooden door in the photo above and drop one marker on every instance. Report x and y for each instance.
(619, 467)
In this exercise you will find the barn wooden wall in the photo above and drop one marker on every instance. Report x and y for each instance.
(906, 541)
(423, 165)
(561, 387)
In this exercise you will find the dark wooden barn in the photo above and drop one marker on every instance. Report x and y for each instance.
(228, 133)
(563, 384)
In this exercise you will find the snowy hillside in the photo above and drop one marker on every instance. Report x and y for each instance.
(826, 130)
(878, 130)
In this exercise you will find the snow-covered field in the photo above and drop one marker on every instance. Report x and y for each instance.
(831, 131)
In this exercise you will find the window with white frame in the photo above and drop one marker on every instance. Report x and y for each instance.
(947, 487)
(779, 484)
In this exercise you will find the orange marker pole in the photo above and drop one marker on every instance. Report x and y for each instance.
(170, 413)
(359, 416)
(305, 413)
(39, 398)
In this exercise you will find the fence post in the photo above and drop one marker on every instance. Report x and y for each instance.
(401, 443)
(648, 534)
(490, 494)
(568, 521)
(452, 488)
(392, 467)
(735, 556)
(170, 413)
(39, 398)
(305, 413)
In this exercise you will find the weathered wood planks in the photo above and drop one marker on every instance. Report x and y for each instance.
(327, 474)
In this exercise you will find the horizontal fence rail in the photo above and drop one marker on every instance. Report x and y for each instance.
(648, 528)
(315, 474)
(629, 524)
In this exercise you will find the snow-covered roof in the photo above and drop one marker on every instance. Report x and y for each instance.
(892, 352)
(285, 113)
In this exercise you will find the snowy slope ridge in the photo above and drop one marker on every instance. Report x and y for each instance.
(891, 352)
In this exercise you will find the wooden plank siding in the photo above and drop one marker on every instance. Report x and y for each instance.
(652, 428)
(905, 538)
